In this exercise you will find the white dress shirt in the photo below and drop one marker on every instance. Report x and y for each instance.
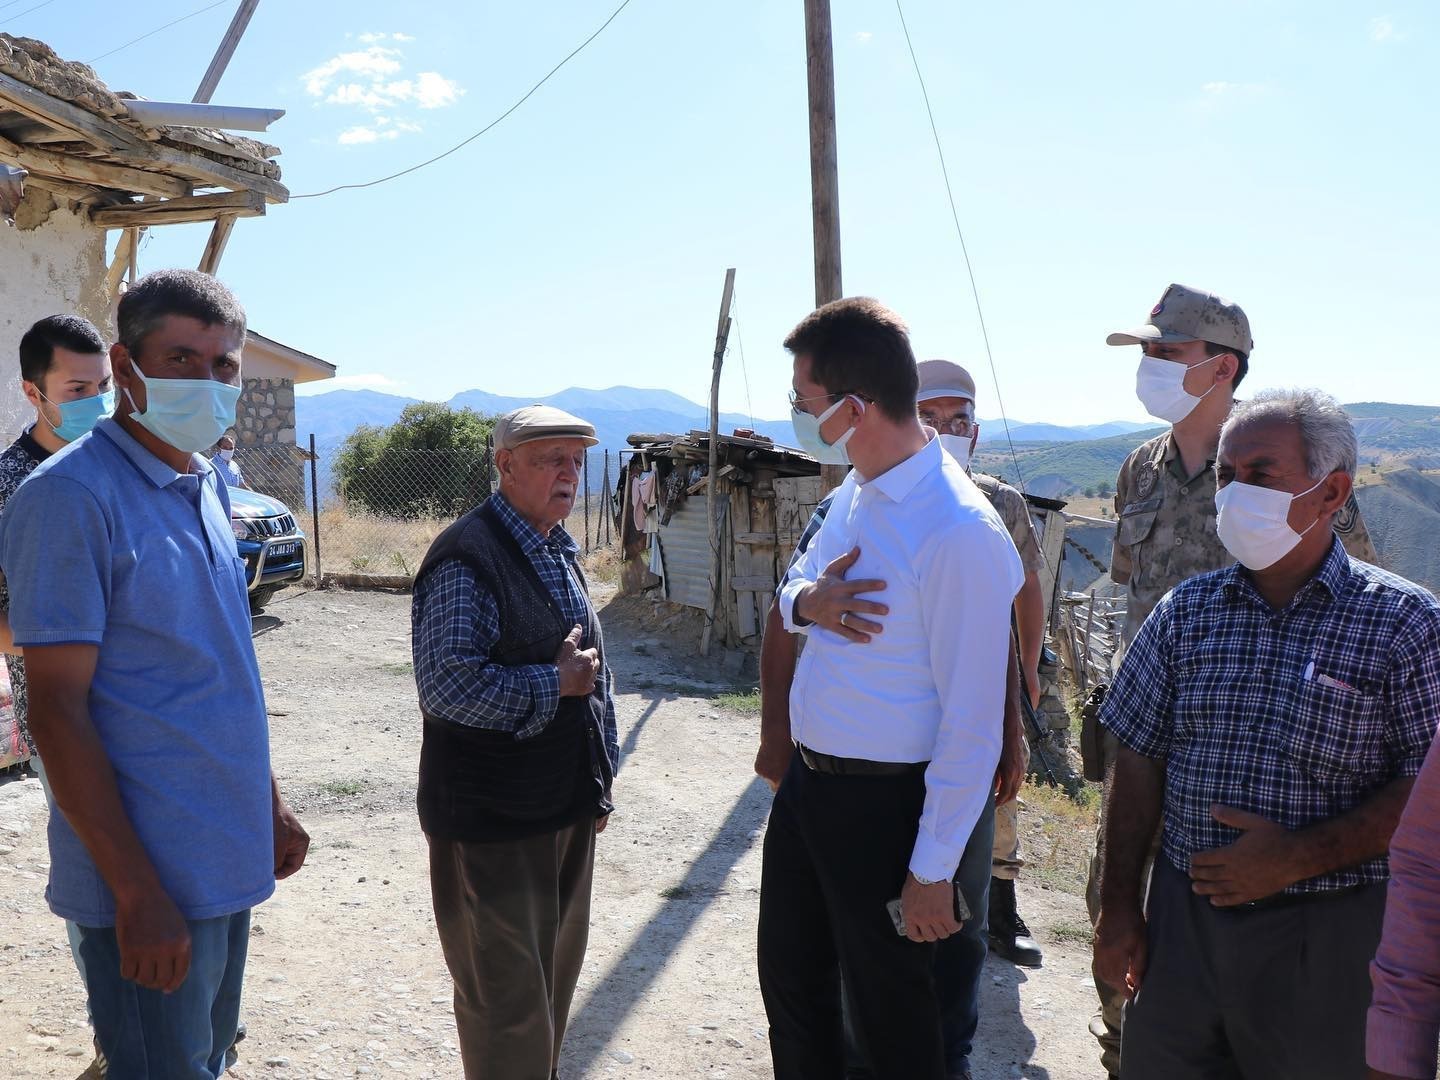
(931, 686)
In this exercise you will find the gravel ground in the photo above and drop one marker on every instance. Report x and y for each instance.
(346, 977)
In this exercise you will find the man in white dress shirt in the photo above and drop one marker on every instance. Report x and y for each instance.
(898, 726)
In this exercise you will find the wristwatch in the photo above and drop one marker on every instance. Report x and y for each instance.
(922, 881)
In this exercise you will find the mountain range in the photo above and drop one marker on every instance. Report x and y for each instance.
(1397, 483)
(621, 411)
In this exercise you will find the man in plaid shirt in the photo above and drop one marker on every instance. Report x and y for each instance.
(1273, 715)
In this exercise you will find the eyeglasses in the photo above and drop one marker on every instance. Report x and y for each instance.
(796, 400)
(963, 426)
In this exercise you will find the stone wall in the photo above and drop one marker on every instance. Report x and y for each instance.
(52, 262)
(266, 413)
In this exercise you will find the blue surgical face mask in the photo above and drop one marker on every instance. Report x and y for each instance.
(807, 432)
(188, 414)
(79, 416)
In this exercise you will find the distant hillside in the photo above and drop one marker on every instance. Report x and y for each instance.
(1061, 468)
(1019, 431)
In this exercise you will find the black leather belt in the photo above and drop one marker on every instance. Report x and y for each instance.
(1284, 899)
(815, 761)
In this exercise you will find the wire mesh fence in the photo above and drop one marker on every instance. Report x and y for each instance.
(374, 517)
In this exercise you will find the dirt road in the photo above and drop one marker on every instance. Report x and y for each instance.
(346, 977)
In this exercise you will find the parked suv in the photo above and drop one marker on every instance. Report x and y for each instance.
(269, 541)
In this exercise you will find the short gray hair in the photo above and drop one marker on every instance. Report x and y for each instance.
(1325, 429)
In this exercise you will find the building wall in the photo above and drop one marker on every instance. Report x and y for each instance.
(266, 413)
(51, 262)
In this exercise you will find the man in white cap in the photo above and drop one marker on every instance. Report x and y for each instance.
(946, 402)
(1195, 350)
(519, 750)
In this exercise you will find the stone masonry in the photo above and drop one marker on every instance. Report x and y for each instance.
(266, 414)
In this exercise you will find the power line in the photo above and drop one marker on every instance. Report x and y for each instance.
(466, 142)
(970, 270)
(27, 11)
(152, 33)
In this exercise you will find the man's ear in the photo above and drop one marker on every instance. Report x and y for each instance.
(503, 461)
(31, 392)
(1337, 490)
(1227, 366)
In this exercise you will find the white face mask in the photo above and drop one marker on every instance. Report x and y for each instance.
(227, 455)
(1254, 523)
(1160, 386)
(807, 432)
(958, 447)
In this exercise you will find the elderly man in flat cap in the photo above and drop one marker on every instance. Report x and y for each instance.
(519, 748)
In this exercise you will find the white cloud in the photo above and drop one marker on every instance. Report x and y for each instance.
(1383, 30)
(864, 37)
(374, 62)
(374, 81)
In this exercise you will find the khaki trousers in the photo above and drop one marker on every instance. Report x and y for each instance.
(1108, 1024)
(1006, 861)
(514, 919)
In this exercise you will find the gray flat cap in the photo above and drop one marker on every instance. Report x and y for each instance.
(534, 422)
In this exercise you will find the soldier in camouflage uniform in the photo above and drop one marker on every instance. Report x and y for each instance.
(1196, 350)
(947, 404)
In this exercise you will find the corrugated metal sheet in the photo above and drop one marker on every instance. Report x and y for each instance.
(685, 547)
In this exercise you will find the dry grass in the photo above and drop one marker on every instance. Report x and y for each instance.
(358, 543)
(355, 542)
(1059, 834)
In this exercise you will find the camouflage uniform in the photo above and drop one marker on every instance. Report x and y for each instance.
(1015, 513)
(1165, 533)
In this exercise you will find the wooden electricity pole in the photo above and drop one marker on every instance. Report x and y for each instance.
(225, 52)
(225, 223)
(712, 506)
(824, 172)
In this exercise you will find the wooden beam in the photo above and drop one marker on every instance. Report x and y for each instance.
(80, 193)
(226, 50)
(84, 171)
(51, 111)
(215, 247)
(180, 211)
(214, 172)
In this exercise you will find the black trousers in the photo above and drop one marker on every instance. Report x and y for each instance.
(836, 851)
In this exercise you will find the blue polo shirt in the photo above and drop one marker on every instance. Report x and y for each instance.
(106, 545)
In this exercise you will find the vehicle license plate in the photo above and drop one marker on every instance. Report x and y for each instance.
(281, 551)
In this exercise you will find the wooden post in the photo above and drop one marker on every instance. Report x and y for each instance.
(712, 506)
(605, 505)
(225, 52)
(585, 481)
(215, 246)
(824, 172)
(315, 508)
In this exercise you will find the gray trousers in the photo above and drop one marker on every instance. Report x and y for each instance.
(1268, 993)
(514, 920)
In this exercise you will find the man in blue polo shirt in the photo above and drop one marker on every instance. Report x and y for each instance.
(129, 600)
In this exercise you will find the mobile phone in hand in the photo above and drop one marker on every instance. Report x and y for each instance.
(897, 911)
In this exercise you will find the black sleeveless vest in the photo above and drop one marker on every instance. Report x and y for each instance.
(478, 785)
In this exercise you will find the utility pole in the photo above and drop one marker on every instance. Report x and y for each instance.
(225, 52)
(712, 506)
(824, 172)
(225, 223)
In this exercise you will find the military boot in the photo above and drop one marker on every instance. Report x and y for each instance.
(1009, 936)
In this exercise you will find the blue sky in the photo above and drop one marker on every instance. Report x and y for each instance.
(1282, 152)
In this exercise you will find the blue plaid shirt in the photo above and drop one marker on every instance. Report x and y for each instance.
(456, 623)
(811, 528)
(1298, 715)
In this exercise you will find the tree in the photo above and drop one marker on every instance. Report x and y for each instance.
(429, 463)
(1089, 493)
(1103, 490)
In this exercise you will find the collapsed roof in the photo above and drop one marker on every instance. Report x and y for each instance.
(77, 139)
